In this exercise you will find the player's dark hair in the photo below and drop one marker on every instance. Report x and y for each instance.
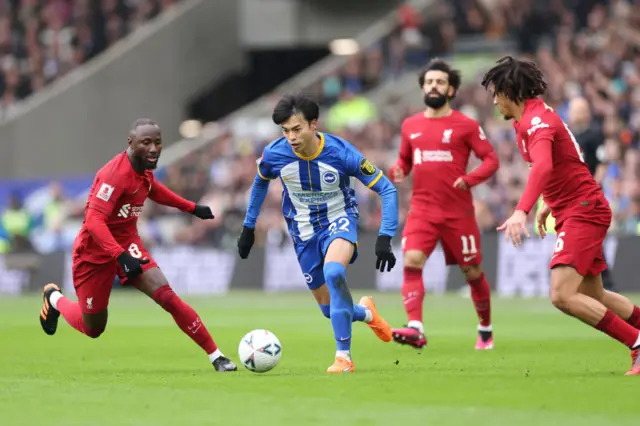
(293, 104)
(141, 122)
(436, 64)
(517, 80)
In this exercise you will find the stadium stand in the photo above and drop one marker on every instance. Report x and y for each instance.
(40, 41)
(586, 48)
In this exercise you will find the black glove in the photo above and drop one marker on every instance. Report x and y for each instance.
(131, 266)
(203, 212)
(245, 242)
(384, 253)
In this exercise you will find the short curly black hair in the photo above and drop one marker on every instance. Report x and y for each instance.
(517, 80)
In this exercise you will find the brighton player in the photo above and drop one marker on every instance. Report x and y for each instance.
(436, 145)
(108, 245)
(319, 206)
(582, 213)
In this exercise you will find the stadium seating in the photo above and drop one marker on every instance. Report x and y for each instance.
(40, 41)
(590, 50)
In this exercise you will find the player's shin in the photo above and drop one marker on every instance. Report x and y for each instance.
(622, 307)
(187, 319)
(634, 318)
(481, 296)
(565, 282)
(594, 313)
(360, 313)
(341, 307)
(413, 296)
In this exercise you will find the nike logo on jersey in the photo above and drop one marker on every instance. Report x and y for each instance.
(468, 258)
(414, 135)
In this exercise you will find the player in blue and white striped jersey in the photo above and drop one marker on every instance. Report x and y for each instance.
(318, 173)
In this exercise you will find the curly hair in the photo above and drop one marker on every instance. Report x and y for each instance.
(517, 80)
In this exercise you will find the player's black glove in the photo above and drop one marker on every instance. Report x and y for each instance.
(245, 242)
(131, 266)
(384, 253)
(203, 212)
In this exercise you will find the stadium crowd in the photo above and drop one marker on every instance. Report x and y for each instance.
(586, 48)
(42, 40)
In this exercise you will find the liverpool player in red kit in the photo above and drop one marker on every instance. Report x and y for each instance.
(582, 212)
(108, 244)
(436, 145)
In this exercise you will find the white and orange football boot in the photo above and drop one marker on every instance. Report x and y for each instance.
(380, 327)
(342, 365)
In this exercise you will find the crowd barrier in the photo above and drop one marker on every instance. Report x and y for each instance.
(519, 272)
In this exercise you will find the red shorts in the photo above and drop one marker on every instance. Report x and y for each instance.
(460, 238)
(93, 281)
(579, 244)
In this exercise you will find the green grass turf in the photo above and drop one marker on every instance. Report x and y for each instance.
(547, 369)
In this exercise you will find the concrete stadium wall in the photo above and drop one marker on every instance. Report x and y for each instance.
(74, 126)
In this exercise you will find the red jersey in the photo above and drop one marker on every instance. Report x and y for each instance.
(438, 149)
(558, 170)
(115, 202)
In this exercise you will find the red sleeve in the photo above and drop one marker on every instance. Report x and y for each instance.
(485, 152)
(405, 157)
(108, 189)
(163, 195)
(96, 223)
(540, 148)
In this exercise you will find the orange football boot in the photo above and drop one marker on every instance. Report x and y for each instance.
(380, 327)
(48, 314)
(342, 365)
(635, 363)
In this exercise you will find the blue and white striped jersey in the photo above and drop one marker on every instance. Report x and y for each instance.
(319, 189)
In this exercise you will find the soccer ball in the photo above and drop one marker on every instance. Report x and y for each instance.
(259, 350)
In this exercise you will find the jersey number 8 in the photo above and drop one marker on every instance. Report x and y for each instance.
(134, 251)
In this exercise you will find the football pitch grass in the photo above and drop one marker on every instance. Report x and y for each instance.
(546, 369)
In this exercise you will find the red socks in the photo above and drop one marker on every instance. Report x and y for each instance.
(186, 318)
(413, 296)
(73, 315)
(615, 327)
(413, 293)
(634, 319)
(481, 296)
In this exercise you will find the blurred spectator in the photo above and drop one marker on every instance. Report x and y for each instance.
(587, 49)
(17, 224)
(42, 40)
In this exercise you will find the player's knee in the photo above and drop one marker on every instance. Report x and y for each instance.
(326, 310)
(94, 333)
(559, 299)
(334, 272)
(164, 296)
(414, 260)
(472, 273)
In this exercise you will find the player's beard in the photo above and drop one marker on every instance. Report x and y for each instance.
(149, 165)
(143, 164)
(435, 102)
